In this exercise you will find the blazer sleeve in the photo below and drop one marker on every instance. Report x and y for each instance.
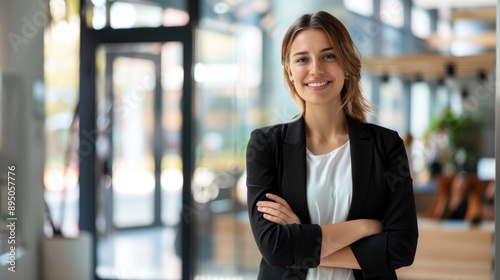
(396, 246)
(293, 245)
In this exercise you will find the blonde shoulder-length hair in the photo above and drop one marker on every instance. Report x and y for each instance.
(353, 102)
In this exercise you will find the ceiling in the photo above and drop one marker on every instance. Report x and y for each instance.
(430, 66)
(434, 65)
(432, 4)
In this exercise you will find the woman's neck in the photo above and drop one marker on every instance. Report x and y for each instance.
(326, 129)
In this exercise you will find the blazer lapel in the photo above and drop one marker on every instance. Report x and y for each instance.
(361, 163)
(294, 163)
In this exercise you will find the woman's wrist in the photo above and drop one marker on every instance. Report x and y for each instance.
(340, 235)
(371, 227)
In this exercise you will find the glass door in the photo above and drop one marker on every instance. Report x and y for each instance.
(131, 89)
(139, 89)
(136, 136)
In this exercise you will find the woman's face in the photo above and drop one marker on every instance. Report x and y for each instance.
(317, 75)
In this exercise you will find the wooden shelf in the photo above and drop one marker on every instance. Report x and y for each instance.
(486, 39)
(429, 66)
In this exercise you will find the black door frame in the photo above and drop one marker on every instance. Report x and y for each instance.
(90, 39)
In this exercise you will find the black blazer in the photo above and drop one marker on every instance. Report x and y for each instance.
(382, 189)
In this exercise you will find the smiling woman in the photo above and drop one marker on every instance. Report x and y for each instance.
(314, 69)
(334, 47)
(318, 202)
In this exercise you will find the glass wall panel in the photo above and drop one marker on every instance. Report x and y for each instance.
(390, 109)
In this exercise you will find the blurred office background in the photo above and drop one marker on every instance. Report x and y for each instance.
(128, 122)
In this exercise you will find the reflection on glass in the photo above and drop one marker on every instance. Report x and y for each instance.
(133, 174)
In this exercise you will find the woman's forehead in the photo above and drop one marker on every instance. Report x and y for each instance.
(311, 38)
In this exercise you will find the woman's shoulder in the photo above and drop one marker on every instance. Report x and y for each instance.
(266, 139)
(383, 135)
(273, 130)
(380, 130)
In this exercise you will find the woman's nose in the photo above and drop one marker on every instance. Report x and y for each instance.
(316, 68)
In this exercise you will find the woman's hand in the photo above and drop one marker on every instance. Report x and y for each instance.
(277, 210)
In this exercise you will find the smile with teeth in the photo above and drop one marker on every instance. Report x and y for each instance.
(317, 84)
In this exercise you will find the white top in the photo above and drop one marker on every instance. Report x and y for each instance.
(329, 194)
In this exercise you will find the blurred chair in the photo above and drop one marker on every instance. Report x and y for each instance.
(473, 191)
(489, 201)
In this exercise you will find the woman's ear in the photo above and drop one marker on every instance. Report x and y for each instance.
(287, 69)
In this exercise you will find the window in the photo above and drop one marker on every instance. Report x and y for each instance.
(416, 141)
(362, 7)
(132, 14)
(420, 22)
(390, 109)
(420, 108)
(392, 12)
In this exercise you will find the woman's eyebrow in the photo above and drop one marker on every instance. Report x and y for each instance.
(300, 53)
(305, 52)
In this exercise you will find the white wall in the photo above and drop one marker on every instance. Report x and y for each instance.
(21, 51)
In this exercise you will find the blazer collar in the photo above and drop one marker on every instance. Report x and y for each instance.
(294, 157)
(294, 179)
(296, 132)
(361, 144)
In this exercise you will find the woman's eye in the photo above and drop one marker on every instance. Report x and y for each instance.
(330, 56)
(302, 59)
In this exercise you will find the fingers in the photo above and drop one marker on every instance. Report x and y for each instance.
(270, 211)
(274, 219)
(275, 206)
(277, 210)
(278, 199)
(279, 204)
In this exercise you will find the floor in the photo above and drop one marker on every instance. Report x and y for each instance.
(150, 254)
